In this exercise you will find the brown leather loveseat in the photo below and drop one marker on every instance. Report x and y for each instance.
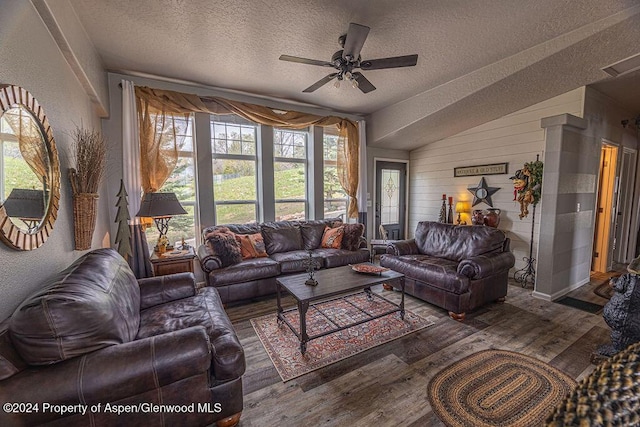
(458, 268)
(94, 346)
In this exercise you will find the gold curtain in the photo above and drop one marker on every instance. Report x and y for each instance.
(31, 143)
(160, 138)
(348, 141)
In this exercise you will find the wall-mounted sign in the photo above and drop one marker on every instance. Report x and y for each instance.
(493, 169)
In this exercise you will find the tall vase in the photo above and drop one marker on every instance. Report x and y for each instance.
(443, 210)
(450, 213)
(84, 219)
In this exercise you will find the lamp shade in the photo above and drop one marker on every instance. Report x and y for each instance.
(25, 204)
(461, 207)
(159, 205)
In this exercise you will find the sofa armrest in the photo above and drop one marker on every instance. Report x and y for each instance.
(208, 262)
(485, 265)
(161, 289)
(109, 375)
(403, 247)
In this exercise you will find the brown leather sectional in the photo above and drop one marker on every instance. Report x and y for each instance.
(288, 244)
(458, 268)
(94, 341)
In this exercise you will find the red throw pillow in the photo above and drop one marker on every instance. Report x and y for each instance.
(332, 237)
(251, 245)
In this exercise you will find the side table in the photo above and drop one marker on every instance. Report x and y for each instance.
(377, 246)
(177, 261)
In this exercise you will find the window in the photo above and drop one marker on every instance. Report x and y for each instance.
(235, 183)
(14, 170)
(335, 199)
(182, 182)
(290, 174)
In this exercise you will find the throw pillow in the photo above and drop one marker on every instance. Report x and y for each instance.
(222, 244)
(332, 237)
(251, 245)
(352, 236)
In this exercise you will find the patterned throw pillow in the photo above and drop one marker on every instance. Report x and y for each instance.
(222, 244)
(251, 245)
(332, 237)
(352, 236)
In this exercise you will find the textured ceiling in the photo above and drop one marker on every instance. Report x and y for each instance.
(464, 48)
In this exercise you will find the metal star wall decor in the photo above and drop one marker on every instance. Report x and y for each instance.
(482, 193)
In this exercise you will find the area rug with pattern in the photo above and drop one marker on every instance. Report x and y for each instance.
(497, 388)
(283, 346)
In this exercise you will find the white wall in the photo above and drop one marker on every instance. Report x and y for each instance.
(573, 160)
(516, 138)
(31, 59)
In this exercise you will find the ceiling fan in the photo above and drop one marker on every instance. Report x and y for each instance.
(348, 59)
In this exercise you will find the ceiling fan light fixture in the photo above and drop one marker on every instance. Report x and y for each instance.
(348, 59)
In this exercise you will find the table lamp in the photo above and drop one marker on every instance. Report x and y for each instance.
(161, 207)
(461, 207)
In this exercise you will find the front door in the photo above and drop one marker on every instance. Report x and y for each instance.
(390, 209)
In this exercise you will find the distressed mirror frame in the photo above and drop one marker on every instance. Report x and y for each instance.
(12, 96)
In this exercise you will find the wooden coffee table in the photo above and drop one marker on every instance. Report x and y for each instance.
(333, 283)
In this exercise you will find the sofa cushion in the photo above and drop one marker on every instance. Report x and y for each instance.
(296, 261)
(94, 303)
(339, 257)
(455, 242)
(352, 236)
(204, 309)
(332, 237)
(247, 270)
(251, 245)
(312, 231)
(437, 272)
(282, 236)
(222, 245)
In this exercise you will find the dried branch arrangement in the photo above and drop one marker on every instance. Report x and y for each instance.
(89, 154)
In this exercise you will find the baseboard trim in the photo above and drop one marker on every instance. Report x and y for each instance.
(560, 293)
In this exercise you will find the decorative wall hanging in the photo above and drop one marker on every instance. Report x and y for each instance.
(527, 184)
(482, 193)
(492, 169)
(89, 156)
(31, 178)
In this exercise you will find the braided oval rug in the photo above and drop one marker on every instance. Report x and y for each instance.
(497, 388)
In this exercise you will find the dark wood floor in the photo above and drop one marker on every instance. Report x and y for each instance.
(386, 385)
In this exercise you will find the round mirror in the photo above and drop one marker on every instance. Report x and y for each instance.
(29, 171)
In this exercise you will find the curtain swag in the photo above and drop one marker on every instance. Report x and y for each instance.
(158, 146)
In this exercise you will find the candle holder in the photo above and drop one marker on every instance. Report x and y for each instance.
(310, 268)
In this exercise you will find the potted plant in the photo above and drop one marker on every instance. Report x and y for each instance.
(89, 152)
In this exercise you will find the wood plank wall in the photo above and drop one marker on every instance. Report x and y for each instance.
(515, 138)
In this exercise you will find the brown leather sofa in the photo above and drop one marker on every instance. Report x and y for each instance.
(458, 268)
(95, 339)
(288, 244)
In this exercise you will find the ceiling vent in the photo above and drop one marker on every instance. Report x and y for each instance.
(632, 63)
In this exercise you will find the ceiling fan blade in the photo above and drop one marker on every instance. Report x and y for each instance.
(363, 84)
(394, 62)
(323, 81)
(356, 35)
(305, 61)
